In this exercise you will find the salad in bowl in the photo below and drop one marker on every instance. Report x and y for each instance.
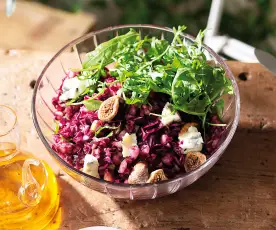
(141, 109)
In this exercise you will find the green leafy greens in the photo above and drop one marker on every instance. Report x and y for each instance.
(92, 105)
(105, 127)
(104, 52)
(179, 68)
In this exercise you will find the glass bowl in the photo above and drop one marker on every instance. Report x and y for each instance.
(71, 56)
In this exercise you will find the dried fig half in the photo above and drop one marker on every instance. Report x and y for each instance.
(109, 108)
(194, 160)
(139, 174)
(156, 176)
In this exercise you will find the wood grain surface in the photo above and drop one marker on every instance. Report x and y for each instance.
(39, 27)
(239, 192)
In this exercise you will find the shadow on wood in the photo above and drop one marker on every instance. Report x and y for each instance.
(76, 212)
(239, 192)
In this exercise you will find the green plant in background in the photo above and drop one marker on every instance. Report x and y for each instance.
(167, 13)
(251, 25)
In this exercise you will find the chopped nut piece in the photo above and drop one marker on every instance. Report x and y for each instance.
(193, 160)
(109, 109)
(185, 127)
(139, 175)
(156, 176)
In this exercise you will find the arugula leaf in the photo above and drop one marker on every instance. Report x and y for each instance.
(178, 69)
(219, 125)
(92, 104)
(136, 90)
(158, 57)
(163, 84)
(56, 126)
(65, 139)
(104, 127)
(176, 63)
(213, 80)
(85, 74)
(73, 100)
(110, 134)
(219, 107)
(107, 49)
(155, 47)
(187, 95)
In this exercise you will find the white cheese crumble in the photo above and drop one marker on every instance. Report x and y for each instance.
(91, 165)
(73, 87)
(191, 141)
(127, 142)
(168, 116)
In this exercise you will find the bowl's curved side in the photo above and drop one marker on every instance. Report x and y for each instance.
(42, 113)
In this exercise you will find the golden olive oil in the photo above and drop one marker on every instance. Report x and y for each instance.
(15, 214)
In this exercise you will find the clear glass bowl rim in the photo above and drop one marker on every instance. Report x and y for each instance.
(215, 155)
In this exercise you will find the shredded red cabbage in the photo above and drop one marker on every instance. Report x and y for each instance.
(158, 145)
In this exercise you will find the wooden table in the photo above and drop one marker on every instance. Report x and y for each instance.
(36, 26)
(239, 192)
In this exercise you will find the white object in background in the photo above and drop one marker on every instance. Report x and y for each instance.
(214, 18)
(239, 50)
(229, 46)
(10, 7)
(216, 42)
(232, 47)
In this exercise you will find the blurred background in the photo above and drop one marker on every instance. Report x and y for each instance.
(49, 24)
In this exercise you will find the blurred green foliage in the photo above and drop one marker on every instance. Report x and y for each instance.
(251, 26)
(248, 25)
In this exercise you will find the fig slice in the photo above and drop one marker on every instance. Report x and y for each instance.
(194, 160)
(109, 108)
(156, 176)
(139, 174)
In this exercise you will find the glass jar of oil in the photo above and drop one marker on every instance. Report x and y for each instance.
(29, 195)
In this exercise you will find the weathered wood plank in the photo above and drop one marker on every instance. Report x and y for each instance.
(38, 27)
